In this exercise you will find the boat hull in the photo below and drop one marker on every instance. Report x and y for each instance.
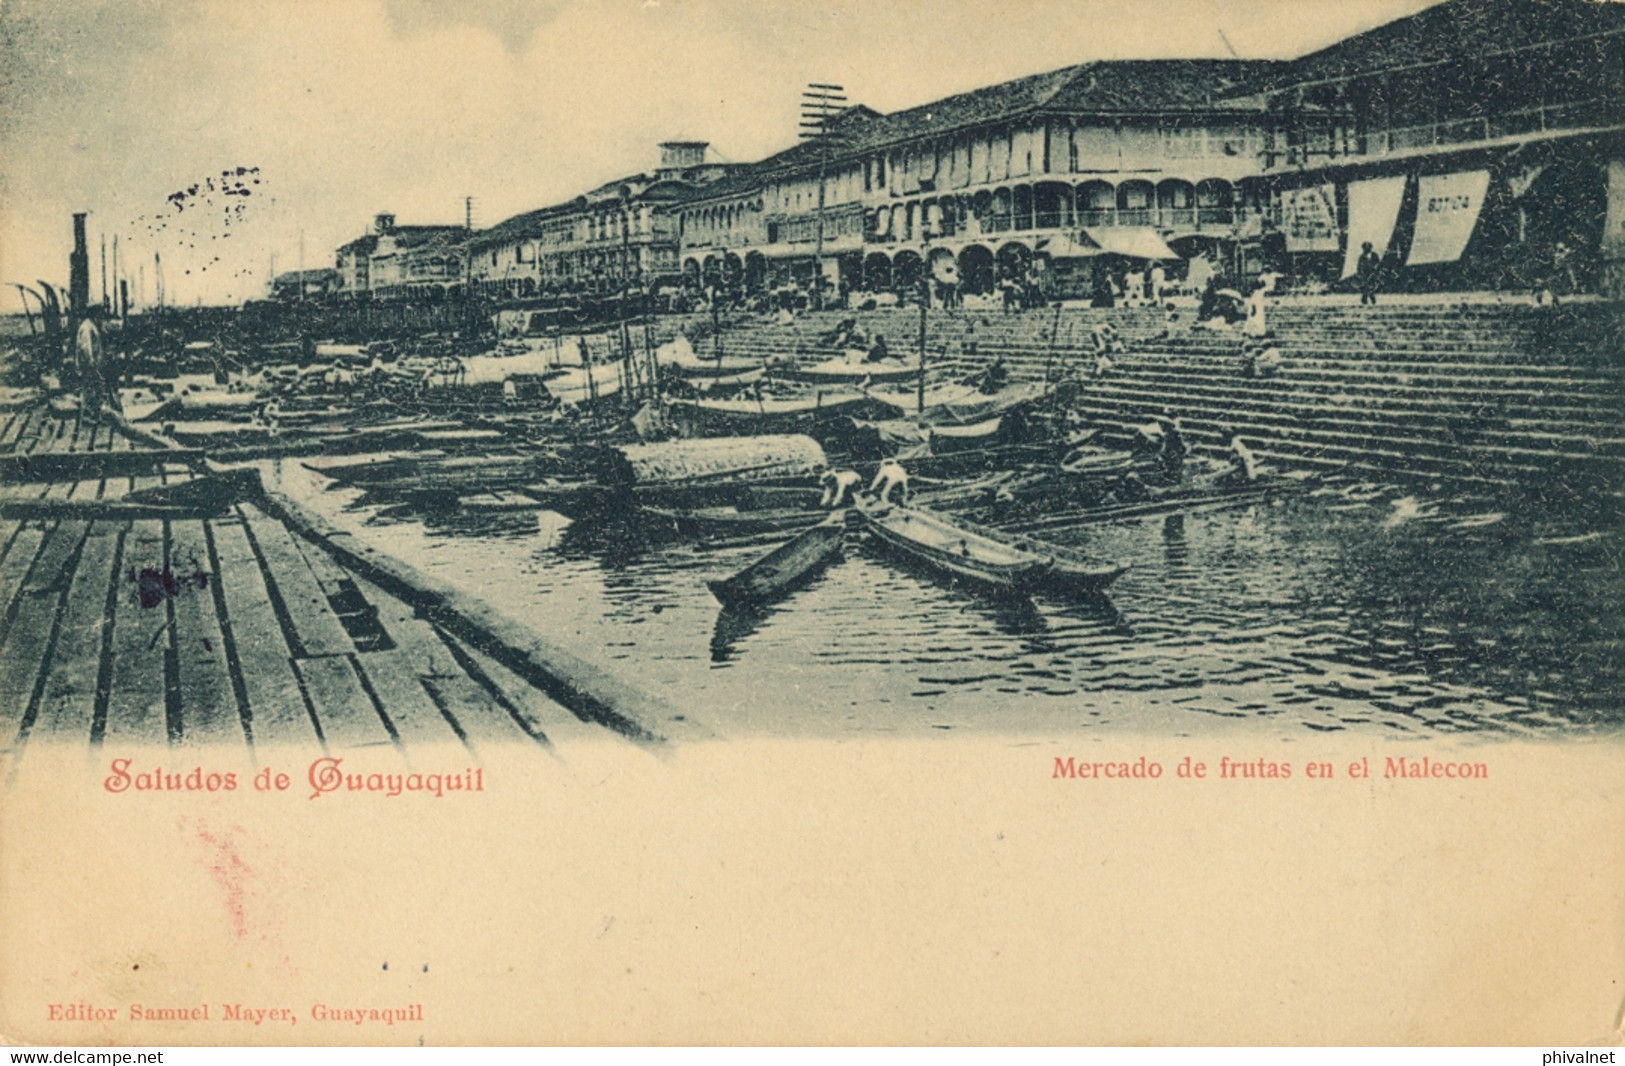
(955, 551)
(785, 569)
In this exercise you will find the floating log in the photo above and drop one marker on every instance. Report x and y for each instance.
(680, 462)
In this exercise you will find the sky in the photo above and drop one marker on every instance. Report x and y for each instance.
(318, 114)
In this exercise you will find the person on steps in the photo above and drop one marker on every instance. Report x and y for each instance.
(1243, 465)
(1368, 267)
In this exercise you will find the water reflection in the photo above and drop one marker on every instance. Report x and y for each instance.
(1352, 606)
(734, 625)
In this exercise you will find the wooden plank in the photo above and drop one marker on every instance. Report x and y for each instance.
(276, 709)
(68, 706)
(9, 429)
(50, 571)
(135, 702)
(538, 714)
(49, 465)
(28, 642)
(349, 719)
(19, 557)
(28, 439)
(462, 706)
(316, 629)
(50, 431)
(589, 689)
(391, 673)
(209, 709)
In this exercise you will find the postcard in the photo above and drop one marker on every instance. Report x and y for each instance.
(692, 522)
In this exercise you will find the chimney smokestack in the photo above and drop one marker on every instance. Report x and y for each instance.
(79, 269)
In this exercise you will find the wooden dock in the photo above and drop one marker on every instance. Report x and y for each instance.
(177, 623)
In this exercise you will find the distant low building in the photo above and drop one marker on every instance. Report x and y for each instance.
(306, 284)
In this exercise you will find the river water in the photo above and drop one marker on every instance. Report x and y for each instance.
(1343, 606)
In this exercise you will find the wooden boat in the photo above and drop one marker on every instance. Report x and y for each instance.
(1093, 461)
(370, 469)
(700, 368)
(785, 568)
(844, 371)
(769, 415)
(956, 551)
(1073, 573)
(945, 439)
(731, 521)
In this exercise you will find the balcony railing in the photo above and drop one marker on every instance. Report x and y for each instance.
(1555, 118)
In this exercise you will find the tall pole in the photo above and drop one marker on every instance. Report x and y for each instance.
(716, 316)
(79, 270)
(104, 273)
(626, 282)
(117, 283)
(925, 305)
(819, 104)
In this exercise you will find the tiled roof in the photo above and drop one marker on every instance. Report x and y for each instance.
(1114, 87)
(416, 236)
(1456, 30)
(360, 246)
(528, 224)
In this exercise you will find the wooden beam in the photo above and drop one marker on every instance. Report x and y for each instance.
(588, 689)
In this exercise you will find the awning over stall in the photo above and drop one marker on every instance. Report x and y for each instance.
(1137, 242)
(1065, 247)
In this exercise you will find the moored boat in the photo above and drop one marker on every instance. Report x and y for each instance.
(956, 550)
(1072, 573)
(732, 521)
(843, 370)
(784, 569)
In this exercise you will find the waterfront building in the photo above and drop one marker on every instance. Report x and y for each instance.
(396, 262)
(317, 283)
(1046, 173)
(620, 233)
(1478, 141)
(1476, 144)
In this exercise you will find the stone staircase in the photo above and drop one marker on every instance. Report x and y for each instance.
(1492, 393)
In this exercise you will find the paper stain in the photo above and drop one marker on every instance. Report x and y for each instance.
(231, 873)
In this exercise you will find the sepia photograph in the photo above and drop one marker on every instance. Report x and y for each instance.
(1038, 522)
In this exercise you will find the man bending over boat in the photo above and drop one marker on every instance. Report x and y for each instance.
(1243, 465)
(839, 487)
(890, 475)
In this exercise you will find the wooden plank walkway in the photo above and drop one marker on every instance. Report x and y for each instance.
(224, 629)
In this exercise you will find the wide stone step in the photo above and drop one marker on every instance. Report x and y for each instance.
(1422, 434)
(1523, 398)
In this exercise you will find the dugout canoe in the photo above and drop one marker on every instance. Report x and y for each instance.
(733, 521)
(784, 569)
(957, 551)
(1073, 573)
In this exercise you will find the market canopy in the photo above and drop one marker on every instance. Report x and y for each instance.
(1136, 242)
(1064, 247)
